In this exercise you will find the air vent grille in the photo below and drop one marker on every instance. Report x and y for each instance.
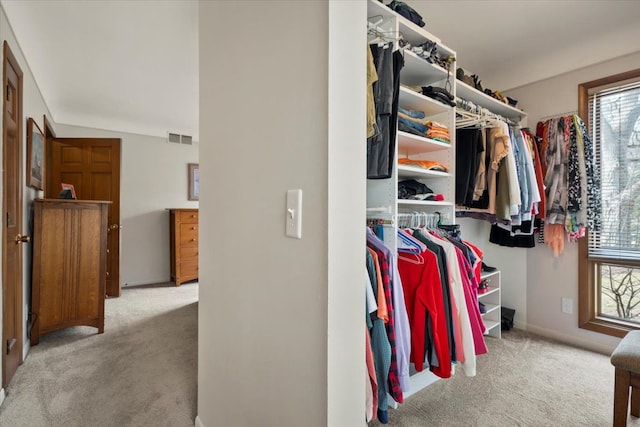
(174, 137)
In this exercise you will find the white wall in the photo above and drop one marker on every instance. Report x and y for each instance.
(512, 263)
(346, 209)
(150, 183)
(153, 177)
(271, 307)
(33, 106)
(549, 279)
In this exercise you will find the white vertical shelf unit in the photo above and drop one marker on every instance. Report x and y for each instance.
(382, 200)
(492, 300)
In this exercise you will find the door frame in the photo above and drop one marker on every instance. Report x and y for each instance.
(50, 191)
(9, 58)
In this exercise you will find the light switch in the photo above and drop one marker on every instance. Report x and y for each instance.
(294, 214)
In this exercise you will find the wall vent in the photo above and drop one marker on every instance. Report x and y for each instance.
(174, 137)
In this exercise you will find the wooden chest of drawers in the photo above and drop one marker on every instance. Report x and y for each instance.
(69, 264)
(183, 228)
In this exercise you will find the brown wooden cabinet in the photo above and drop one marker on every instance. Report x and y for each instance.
(183, 229)
(69, 265)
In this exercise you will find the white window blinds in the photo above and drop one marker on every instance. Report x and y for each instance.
(614, 126)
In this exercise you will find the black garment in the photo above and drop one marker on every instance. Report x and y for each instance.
(381, 147)
(378, 144)
(398, 63)
(502, 237)
(439, 94)
(483, 201)
(406, 11)
(468, 145)
(468, 253)
(411, 187)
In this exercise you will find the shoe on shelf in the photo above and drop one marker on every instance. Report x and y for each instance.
(488, 268)
(477, 83)
(483, 286)
(482, 307)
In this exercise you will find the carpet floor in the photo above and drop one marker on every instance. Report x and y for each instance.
(141, 372)
(524, 380)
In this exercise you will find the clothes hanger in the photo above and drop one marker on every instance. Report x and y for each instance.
(416, 259)
(408, 244)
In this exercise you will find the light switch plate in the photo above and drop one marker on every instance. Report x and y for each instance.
(294, 214)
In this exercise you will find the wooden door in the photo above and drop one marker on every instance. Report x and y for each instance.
(11, 217)
(92, 165)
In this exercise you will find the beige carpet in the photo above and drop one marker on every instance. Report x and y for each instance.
(523, 381)
(141, 372)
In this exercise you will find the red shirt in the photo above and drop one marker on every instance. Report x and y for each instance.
(423, 294)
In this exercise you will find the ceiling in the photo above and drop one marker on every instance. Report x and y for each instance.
(510, 43)
(132, 66)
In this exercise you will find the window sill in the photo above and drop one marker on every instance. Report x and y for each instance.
(609, 326)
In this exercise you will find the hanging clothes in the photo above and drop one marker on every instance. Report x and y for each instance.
(398, 364)
(372, 77)
(468, 147)
(572, 181)
(424, 299)
(381, 146)
(468, 359)
(380, 346)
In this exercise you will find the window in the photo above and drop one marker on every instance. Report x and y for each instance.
(609, 267)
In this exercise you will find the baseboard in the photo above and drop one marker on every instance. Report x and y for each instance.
(2, 396)
(147, 282)
(571, 340)
(520, 325)
(198, 422)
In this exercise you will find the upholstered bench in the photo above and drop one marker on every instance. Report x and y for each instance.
(626, 359)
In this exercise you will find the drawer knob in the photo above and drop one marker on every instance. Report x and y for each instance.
(193, 240)
(193, 228)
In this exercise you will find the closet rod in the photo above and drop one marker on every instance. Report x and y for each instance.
(382, 209)
(472, 118)
(471, 108)
(555, 116)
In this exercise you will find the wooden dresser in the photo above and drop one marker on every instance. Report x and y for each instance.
(69, 265)
(183, 228)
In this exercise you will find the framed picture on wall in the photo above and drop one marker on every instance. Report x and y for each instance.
(35, 155)
(194, 181)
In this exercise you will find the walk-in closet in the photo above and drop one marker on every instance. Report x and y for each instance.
(441, 149)
(429, 285)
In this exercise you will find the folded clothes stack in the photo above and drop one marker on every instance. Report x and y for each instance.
(439, 132)
(413, 119)
(410, 189)
(415, 122)
(407, 11)
(439, 94)
(431, 165)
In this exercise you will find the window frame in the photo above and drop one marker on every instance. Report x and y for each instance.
(588, 317)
